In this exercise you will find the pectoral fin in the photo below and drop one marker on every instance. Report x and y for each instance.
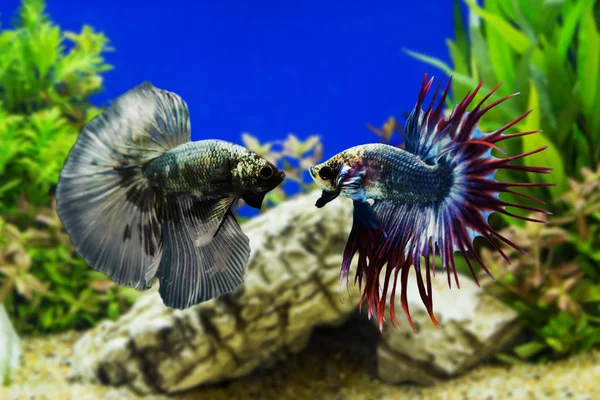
(350, 183)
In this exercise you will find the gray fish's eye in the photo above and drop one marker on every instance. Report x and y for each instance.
(266, 172)
(326, 173)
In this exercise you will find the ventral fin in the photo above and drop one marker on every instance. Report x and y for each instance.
(364, 213)
(326, 197)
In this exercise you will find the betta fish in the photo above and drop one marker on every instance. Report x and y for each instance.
(438, 190)
(140, 200)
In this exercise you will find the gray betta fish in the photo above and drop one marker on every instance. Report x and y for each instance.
(140, 200)
(439, 190)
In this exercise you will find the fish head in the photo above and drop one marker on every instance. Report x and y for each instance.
(326, 176)
(254, 176)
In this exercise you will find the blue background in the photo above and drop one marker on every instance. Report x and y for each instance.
(269, 67)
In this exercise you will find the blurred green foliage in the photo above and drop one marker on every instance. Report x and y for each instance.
(46, 79)
(549, 51)
(556, 285)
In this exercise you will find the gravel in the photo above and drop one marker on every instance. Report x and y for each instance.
(339, 363)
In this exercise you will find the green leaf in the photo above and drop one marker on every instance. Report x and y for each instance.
(550, 157)
(522, 78)
(460, 34)
(555, 344)
(548, 123)
(508, 359)
(508, 8)
(47, 318)
(517, 40)
(569, 26)
(113, 311)
(525, 15)
(500, 52)
(431, 60)
(10, 184)
(588, 53)
(529, 349)
(590, 294)
(567, 116)
(459, 90)
(480, 58)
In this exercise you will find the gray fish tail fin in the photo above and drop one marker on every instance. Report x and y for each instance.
(106, 204)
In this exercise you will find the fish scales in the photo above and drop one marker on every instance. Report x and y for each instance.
(202, 167)
(394, 174)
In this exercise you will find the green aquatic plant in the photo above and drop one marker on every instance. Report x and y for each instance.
(15, 264)
(47, 77)
(45, 286)
(556, 285)
(549, 51)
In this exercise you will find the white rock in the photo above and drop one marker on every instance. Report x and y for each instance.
(10, 346)
(474, 326)
(291, 286)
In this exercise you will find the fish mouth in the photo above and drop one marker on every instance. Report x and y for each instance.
(312, 171)
(279, 177)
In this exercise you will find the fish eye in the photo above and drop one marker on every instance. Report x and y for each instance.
(326, 173)
(266, 172)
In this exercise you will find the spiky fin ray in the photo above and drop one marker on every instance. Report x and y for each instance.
(409, 232)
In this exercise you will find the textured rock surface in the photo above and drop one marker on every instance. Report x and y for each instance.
(292, 285)
(328, 369)
(474, 326)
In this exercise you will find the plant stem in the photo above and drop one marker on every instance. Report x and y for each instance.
(582, 227)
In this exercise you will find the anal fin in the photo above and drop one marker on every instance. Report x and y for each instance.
(205, 251)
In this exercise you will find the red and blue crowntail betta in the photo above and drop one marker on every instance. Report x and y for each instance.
(439, 190)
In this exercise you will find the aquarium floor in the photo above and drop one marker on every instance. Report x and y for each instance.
(338, 364)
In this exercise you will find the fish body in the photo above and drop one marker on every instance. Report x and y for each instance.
(431, 198)
(391, 173)
(209, 167)
(140, 200)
